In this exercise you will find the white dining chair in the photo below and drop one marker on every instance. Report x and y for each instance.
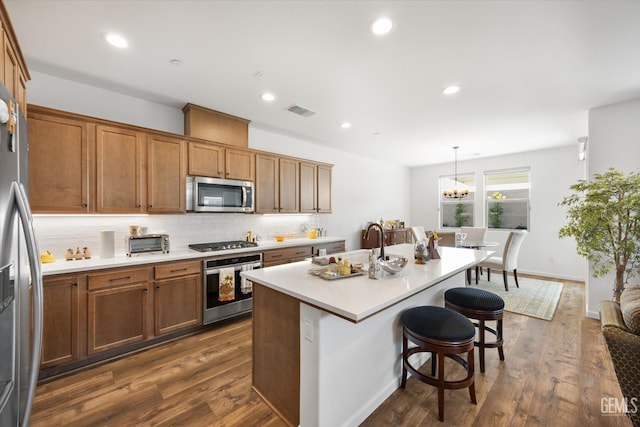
(474, 234)
(418, 233)
(508, 261)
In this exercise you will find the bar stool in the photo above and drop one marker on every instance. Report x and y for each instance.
(480, 305)
(441, 332)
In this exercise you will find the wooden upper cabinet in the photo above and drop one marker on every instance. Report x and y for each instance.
(267, 184)
(289, 185)
(206, 160)
(58, 164)
(308, 187)
(240, 164)
(203, 123)
(324, 188)
(118, 170)
(166, 174)
(13, 69)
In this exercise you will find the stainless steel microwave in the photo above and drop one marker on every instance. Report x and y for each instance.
(219, 195)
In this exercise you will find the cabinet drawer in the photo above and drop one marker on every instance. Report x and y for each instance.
(117, 278)
(286, 254)
(176, 269)
(332, 248)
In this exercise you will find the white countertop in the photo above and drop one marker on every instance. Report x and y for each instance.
(61, 266)
(356, 298)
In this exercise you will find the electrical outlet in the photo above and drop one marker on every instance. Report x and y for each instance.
(308, 330)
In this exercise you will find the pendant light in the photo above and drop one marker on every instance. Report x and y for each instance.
(455, 193)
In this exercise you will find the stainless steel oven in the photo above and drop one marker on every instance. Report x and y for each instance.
(226, 294)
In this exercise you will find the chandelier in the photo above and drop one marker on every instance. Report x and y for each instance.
(455, 193)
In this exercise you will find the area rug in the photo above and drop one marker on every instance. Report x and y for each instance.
(535, 298)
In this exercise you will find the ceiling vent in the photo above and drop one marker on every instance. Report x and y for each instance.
(301, 111)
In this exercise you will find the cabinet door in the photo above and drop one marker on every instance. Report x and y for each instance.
(308, 187)
(58, 165)
(267, 184)
(289, 186)
(10, 66)
(206, 160)
(61, 321)
(117, 317)
(240, 164)
(324, 188)
(178, 303)
(118, 170)
(166, 175)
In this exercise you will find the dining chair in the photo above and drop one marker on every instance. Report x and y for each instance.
(508, 261)
(475, 234)
(418, 233)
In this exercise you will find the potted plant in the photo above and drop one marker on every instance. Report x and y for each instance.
(604, 219)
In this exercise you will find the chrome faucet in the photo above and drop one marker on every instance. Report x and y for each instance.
(381, 234)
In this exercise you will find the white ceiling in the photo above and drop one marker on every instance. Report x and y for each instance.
(529, 70)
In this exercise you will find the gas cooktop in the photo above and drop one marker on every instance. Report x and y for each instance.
(222, 246)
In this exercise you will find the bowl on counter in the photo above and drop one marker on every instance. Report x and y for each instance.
(393, 264)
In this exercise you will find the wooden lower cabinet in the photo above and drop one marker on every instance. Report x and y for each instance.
(285, 255)
(98, 314)
(63, 310)
(177, 296)
(332, 248)
(117, 316)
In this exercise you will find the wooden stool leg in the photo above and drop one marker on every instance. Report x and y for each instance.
(472, 387)
(441, 386)
(499, 338)
(481, 344)
(433, 364)
(405, 346)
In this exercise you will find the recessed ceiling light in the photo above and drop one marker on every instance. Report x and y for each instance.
(176, 62)
(117, 40)
(381, 26)
(345, 125)
(451, 90)
(268, 97)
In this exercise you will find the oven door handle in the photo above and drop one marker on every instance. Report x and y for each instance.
(218, 270)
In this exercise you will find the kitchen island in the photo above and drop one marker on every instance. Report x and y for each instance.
(328, 352)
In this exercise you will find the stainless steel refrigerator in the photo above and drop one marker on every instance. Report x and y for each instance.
(20, 274)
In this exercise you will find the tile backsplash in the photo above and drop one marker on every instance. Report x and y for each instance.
(57, 233)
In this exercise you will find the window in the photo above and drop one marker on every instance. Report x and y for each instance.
(507, 196)
(457, 212)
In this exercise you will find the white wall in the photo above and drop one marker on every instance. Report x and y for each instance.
(552, 172)
(363, 190)
(614, 141)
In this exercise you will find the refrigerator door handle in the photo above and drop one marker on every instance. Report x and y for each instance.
(26, 218)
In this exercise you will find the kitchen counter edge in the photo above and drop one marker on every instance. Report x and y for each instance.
(62, 266)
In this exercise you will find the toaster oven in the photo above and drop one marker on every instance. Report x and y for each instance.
(147, 243)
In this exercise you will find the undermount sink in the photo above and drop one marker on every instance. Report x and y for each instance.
(394, 264)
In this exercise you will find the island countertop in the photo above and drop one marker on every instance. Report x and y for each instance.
(356, 298)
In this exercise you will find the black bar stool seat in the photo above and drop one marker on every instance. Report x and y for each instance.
(482, 306)
(442, 332)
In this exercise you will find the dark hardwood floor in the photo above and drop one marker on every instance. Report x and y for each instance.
(555, 374)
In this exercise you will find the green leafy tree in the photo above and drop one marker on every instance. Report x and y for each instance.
(459, 215)
(604, 219)
(495, 215)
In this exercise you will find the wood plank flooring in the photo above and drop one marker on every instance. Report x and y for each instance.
(555, 374)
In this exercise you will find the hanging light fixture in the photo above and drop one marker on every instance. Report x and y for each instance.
(455, 193)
